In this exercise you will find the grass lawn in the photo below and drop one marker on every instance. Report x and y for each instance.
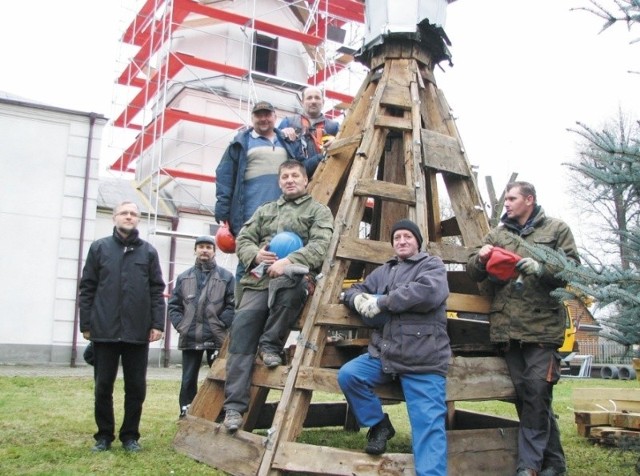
(46, 427)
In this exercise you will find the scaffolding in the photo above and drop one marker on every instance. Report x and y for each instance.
(198, 66)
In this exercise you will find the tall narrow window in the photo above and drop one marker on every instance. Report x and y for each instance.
(265, 54)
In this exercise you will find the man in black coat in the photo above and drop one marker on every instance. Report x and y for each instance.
(122, 310)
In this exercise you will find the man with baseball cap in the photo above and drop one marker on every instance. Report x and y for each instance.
(247, 175)
(412, 288)
(201, 309)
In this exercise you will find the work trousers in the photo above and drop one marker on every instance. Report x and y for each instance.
(425, 395)
(256, 325)
(105, 370)
(191, 363)
(534, 370)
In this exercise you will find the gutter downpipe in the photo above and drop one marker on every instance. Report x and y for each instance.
(85, 199)
(172, 269)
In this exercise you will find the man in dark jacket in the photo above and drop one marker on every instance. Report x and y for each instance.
(528, 323)
(412, 344)
(201, 309)
(121, 310)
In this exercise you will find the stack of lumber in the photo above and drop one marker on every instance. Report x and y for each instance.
(609, 417)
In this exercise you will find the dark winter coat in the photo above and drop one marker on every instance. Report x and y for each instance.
(121, 290)
(201, 307)
(230, 175)
(415, 290)
(529, 314)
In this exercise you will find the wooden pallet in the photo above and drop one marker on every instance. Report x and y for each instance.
(397, 138)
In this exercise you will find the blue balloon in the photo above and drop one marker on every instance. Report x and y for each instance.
(285, 243)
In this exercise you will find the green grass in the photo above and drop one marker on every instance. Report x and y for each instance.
(46, 427)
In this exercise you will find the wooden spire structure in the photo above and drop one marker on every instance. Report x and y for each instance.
(399, 148)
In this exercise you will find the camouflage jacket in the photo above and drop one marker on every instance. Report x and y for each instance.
(304, 216)
(529, 314)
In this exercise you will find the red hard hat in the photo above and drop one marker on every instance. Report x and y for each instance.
(502, 264)
(225, 240)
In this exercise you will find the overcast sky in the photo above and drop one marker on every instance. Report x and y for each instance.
(523, 73)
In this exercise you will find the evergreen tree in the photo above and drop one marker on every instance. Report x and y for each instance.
(609, 167)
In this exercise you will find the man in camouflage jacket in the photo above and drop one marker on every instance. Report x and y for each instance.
(272, 299)
(528, 323)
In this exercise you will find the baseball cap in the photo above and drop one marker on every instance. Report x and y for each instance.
(263, 106)
(205, 239)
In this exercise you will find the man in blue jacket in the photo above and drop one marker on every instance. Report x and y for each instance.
(247, 175)
(122, 309)
(201, 309)
(413, 345)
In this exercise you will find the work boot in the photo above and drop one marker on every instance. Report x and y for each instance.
(271, 360)
(232, 420)
(378, 436)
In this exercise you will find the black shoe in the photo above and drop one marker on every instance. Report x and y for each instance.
(131, 446)
(378, 436)
(101, 445)
(183, 412)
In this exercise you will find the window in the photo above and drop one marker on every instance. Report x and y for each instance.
(265, 54)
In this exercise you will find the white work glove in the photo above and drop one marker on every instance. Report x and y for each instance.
(366, 305)
(529, 266)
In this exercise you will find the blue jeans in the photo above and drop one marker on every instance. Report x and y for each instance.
(425, 395)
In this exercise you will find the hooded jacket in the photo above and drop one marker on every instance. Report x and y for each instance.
(528, 314)
(121, 290)
(415, 290)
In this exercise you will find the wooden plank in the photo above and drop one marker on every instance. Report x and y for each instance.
(482, 452)
(630, 421)
(238, 454)
(339, 315)
(386, 190)
(443, 153)
(607, 399)
(592, 418)
(468, 303)
(393, 123)
(477, 378)
(316, 459)
(396, 96)
(378, 252)
(345, 146)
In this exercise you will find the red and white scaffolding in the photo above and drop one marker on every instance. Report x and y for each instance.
(161, 28)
